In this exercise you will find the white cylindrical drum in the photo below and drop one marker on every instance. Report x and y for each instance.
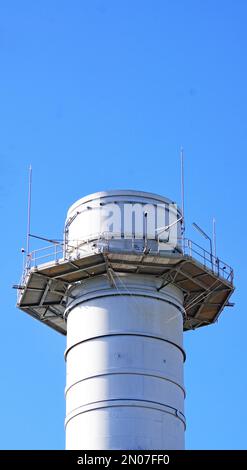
(122, 220)
(125, 360)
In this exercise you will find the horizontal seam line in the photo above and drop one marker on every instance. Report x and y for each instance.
(152, 295)
(126, 373)
(125, 334)
(68, 418)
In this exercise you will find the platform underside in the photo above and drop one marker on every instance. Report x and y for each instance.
(44, 292)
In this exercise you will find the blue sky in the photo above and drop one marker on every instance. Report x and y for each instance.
(98, 95)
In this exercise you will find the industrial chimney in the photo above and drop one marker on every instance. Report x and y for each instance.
(123, 286)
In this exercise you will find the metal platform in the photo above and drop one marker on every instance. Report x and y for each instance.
(206, 281)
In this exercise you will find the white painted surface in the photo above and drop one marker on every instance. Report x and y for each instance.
(113, 215)
(125, 365)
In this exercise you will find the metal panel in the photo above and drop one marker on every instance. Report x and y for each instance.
(127, 358)
(117, 215)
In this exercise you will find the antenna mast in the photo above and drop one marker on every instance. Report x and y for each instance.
(29, 210)
(182, 187)
(214, 237)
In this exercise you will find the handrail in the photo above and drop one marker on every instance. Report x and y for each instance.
(57, 251)
(216, 265)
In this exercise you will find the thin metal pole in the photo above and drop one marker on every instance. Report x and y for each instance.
(145, 232)
(214, 238)
(211, 253)
(29, 210)
(23, 265)
(208, 238)
(182, 189)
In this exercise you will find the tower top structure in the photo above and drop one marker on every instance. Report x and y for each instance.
(124, 285)
(95, 244)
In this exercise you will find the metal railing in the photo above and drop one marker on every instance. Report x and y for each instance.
(101, 242)
(217, 266)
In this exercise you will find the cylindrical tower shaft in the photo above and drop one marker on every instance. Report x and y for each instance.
(124, 364)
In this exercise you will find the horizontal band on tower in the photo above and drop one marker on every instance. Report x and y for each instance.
(141, 372)
(113, 293)
(126, 403)
(143, 335)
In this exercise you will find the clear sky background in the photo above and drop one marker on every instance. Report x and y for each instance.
(100, 94)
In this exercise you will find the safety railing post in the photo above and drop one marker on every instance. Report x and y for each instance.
(190, 248)
(218, 266)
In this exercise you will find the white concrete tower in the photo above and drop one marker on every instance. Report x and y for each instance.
(123, 287)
